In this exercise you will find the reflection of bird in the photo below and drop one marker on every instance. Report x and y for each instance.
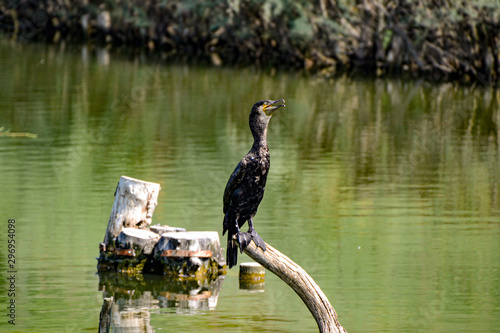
(245, 187)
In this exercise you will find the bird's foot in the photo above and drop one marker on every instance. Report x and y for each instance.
(244, 238)
(257, 239)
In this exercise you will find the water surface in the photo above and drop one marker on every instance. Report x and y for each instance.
(386, 192)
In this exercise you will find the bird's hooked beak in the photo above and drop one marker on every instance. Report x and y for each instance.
(273, 106)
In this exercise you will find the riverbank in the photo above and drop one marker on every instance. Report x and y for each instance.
(439, 40)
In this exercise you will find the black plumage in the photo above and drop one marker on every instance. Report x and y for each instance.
(245, 187)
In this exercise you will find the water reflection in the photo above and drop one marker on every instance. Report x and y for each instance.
(406, 132)
(397, 183)
(136, 295)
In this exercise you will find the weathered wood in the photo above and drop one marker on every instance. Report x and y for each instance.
(105, 315)
(187, 253)
(252, 277)
(252, 271)
(160, 229)
(134, 205)
(301, 283)
(124, 252)
(190, 243)
(142, 241)
(130, 248)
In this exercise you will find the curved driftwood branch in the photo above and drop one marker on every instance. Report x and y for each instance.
(297, 278)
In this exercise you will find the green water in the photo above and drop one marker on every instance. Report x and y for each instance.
(386, 192)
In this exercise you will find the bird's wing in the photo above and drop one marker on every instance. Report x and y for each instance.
(233, 182)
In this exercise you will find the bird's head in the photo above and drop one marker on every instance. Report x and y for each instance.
(267, 107)
(260, 116)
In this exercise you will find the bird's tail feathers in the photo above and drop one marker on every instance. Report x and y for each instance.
(232, 251)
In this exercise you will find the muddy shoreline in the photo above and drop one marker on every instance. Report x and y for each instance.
(437, 40)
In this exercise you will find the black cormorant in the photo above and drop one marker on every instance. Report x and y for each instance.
(245, 187)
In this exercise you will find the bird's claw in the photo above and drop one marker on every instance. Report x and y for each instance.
(244, 238)
(257, 239)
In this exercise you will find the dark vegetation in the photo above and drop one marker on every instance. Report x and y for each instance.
(438, 39)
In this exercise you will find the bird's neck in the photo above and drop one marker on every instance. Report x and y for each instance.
(259, 137)
(259, 143)
(258, 126)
